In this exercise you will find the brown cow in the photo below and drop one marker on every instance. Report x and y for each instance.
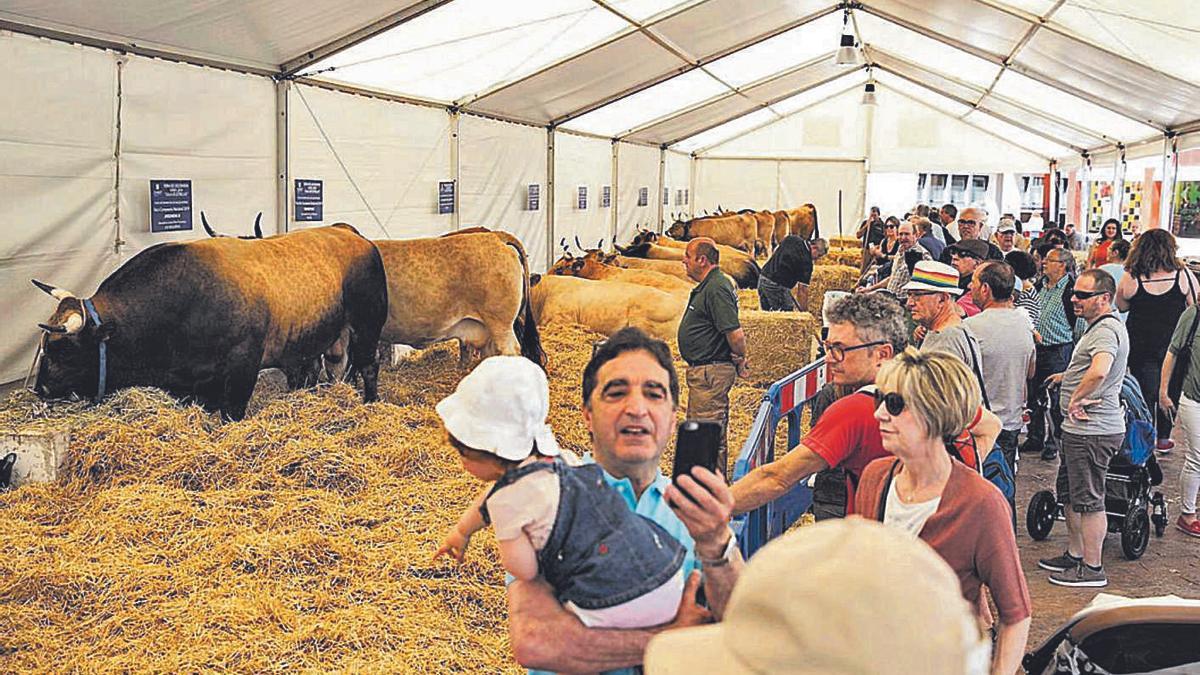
(738, 265)
(669, 267)
(606, 306)
(782, 226)
(469, 286)
(803, 222)
(590, 267)
(738, 230)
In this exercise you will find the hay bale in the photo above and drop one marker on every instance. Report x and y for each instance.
(842, 256)
(778, 342)
(747, 299)
(827, 278)
(845, 242)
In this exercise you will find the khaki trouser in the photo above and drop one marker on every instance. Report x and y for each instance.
(708, 399)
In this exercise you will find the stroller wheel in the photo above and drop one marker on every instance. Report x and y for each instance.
(1135, 533)
(1040, 516)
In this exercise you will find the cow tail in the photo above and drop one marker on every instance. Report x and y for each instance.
(755, 272)
(816, 226)
(524, 326)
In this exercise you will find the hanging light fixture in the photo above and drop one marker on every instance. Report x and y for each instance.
(869, 94)
(847, 53)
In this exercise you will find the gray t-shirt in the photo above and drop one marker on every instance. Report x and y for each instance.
(1105, 335)
(1191, 380)
(954, 340)
(1006, 347)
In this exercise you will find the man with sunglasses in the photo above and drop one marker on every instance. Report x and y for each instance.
(970, 226)
(1092, 430)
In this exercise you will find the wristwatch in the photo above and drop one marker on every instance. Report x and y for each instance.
(726, 555)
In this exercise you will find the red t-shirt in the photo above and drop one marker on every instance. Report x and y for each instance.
(847, 435)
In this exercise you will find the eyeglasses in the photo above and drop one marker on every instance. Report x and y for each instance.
(1084, 295)
(968, 221)
(598, 344)
(893, 402)
(838, 352)
(1052, 260)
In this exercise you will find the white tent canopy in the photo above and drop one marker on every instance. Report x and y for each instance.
(1084, 74)
(549, 118)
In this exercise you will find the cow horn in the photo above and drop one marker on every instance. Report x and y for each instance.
(257, 225)
(578, 244)
(207, 227)
(52, 329)
(600, 244)
(56, 293)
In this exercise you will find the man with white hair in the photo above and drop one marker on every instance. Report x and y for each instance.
(970, 226)
(931, 299)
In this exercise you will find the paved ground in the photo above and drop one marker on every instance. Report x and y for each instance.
(1171, 564)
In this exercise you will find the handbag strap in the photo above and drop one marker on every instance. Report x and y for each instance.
(887, 485)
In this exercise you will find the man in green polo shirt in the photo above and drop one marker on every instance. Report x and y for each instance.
(711, 339)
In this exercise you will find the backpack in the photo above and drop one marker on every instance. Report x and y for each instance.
(1140, 435)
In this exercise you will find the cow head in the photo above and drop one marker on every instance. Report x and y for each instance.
(70, 362)
(565, 266)
(680, 230)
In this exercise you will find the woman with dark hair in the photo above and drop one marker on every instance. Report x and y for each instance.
(1025, 296)
(1155, 290)
(1110, 232)
(883, 251)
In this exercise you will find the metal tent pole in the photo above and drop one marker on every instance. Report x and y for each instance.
(283, 90)
(662, 184)
(549, 197)
(1166, 209)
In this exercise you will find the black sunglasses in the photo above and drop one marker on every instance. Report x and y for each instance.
(893, 402)
(1084, 295)
(967, 221)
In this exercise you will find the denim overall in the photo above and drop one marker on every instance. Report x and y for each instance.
(599, 553)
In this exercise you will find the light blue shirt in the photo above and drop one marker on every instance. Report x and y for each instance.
(654, 506)
(1117, 270)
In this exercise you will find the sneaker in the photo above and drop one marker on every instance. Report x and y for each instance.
(1192, 528)
(1164, 446)
(1049, 453)
(1061, 563)
(1030, 447)
(1082, 576)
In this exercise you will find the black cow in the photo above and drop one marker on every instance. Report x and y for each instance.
(199, 319)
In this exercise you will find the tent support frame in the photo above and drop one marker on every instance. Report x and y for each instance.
(282, 92)
(301, 61)
(1170, 159)
(549, 197)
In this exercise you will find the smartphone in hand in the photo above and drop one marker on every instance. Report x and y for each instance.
(697, 443)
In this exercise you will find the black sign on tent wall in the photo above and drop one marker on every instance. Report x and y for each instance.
(581, 199)
(686, 196)
(678, 197)
(533, 197)
(606, 196)
(666, 196)
(170, 205)
(309, 205)
(643, 196)
(445, 197)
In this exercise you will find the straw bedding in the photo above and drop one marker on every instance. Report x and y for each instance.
(297, 539)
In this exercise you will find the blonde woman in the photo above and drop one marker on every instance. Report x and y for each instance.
(925, 492)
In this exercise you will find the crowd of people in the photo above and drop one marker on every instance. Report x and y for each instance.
(959, 339)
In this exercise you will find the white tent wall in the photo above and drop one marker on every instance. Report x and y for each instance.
(213, 127)
(678, 178)
(823, 183)
(57, 171)
(832, 129)
(912, 136)
(736, 184)
(637, 167)
(581, 162)
(498, 161)
(380, 161)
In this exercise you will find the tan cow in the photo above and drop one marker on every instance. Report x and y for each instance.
(738, 265)
(737, 230)
(672, 268)
(606, 306)
(765, 228)
(803, 222)
(473, 287)
(782, 226)
(590, 267)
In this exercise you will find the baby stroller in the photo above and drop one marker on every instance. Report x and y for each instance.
(1127, 500)
(1119, 635)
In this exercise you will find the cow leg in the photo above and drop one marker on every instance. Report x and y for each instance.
(364, 360)
(239, 387)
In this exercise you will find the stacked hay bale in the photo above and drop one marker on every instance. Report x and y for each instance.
(829, 278)
(779, 342)
(845, 242)
(843, 256)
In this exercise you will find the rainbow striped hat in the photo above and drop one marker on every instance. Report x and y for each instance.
(931, 275)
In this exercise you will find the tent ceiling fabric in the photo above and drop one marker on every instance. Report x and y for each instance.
(255, 34)
(1081, 73)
